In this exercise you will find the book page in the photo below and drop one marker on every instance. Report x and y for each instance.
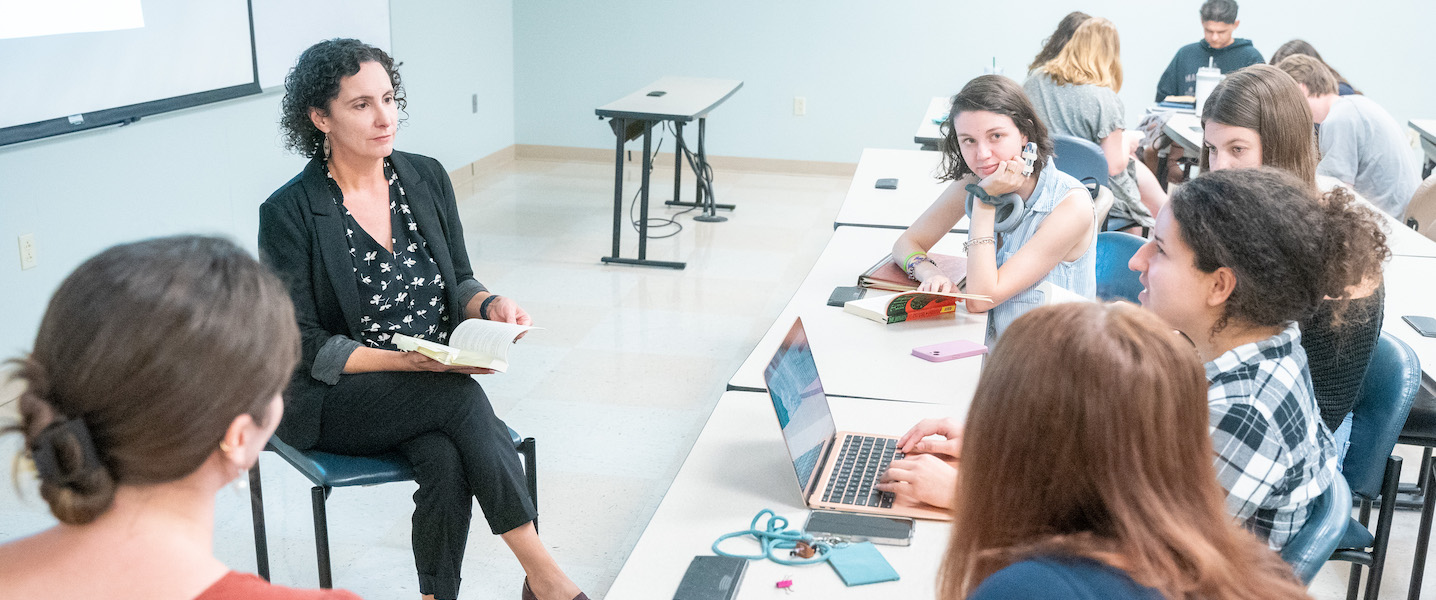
(487, 338)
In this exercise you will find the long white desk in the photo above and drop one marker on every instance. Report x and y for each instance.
(929, 135)
(714, 494)
(1411, 290)
(1403, 240)
(859, 358)
(1427, 129)
(917, 189)
(1186, 130)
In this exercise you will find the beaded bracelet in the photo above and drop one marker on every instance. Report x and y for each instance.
(912, 261)
(484, 307)
(977, 242)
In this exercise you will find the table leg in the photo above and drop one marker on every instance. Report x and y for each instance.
(677, 162)
(643, 191)
(618, 188)
(710, 209)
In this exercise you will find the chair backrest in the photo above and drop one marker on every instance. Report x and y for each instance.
(1114, 280)
(1080, 158)
(1309, 549)
(1380, 413)
(1422, 210)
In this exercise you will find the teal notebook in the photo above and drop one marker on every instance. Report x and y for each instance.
(861, 564)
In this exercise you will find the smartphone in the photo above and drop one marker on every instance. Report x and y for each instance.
(842, 294)
(949, 350)
(711, 578)
(856, 528)
(1423, 325)
(886, 183)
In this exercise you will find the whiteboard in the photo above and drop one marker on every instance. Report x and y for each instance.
(283, 29)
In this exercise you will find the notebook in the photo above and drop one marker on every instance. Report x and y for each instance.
(837, 470)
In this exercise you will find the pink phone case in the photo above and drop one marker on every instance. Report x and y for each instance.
(949, 350)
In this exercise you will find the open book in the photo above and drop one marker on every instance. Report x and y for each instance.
(474, 343)
(907, 306)
(886, 275)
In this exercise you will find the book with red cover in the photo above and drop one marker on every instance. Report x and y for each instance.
(886, 275)
(908, 306)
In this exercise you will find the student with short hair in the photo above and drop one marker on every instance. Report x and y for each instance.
(1361, 145)
(1059, 38)
(1256, 117)
(1237, 258)
(1218, 47)
(1294, 47)
(1075, 94)
(1053, 239)
(155, 381)
(1095, 479)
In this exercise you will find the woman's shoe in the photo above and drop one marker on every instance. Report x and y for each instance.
(528, 593)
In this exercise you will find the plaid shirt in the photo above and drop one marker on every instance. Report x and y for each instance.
(1273, 455)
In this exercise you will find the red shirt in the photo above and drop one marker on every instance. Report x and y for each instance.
(241, 586)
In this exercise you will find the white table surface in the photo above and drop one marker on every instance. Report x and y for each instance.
(918, 188)
(714, 494)
(1402, 240)
(686, 98)
(859, 358)
(1186, 130)
(928, 131)
(1425, 127)
(1411, 290)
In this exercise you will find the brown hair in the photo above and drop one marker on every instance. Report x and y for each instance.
(1310, 72)
(1053, 44)
(1296, 47)
(995, 94)
(1266, 100)
(145, 356)
(1105, 456)
(1286, 251)
(1093, 56)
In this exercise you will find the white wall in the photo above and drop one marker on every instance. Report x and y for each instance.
(868, 69)
(207, 169)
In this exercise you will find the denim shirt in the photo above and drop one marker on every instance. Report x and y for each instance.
(1078, 276)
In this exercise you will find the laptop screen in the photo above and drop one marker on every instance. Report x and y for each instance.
(802, 408)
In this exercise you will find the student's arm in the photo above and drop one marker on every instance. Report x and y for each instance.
(1340, 151)
(1169, 84)
(1114, 147)
(1251, 458)
(934, 223)
(1067, 226)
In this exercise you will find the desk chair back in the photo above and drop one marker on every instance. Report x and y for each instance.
(1318, 538)
(1369, 468)
(1080, 158)
(1421, 213)
(1114, 280)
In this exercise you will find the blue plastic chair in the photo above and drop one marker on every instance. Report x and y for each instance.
(328, 471)
(1312, 546)
(1370, 469)
(1114, 280)
(1084, 160)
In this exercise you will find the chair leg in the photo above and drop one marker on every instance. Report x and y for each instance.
(256, 505)
(528, 448)
(1423, 536)
(1353, 584)
(1389, 483)
(321, 535)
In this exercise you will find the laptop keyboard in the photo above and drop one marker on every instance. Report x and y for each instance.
(861, 461)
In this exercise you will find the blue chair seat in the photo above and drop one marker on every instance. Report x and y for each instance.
(1357, 536)
(1322, 533)
(337, 470)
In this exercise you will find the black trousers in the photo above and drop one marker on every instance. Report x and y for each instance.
(460, 450)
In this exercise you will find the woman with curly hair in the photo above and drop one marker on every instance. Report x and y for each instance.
(368, 240)
(1258, 117)
(189, 332)
(1237, 259)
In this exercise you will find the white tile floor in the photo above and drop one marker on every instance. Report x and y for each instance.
(615, 389)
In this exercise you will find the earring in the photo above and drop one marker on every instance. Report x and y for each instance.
(241, 481)
(326, 146)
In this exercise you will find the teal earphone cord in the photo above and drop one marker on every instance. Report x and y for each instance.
(775, 535)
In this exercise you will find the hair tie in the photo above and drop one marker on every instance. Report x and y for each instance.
(47, 463)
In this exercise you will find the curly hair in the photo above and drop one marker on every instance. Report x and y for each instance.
(1287, 250)
(314, 83)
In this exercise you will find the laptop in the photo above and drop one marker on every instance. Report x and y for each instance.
(837, 470)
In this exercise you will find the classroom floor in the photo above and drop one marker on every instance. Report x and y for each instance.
(615, 388)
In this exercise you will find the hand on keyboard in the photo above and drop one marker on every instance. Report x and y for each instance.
(916, 440)
(922, 477)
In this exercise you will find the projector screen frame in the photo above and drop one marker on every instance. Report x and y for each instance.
(125, 115)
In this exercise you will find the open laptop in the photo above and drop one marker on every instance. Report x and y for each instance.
(837, 470)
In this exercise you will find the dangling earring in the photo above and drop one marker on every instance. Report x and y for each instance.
(240, 484)
(326, 147)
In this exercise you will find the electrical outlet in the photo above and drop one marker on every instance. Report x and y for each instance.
(476, 103)
(29, 253)
(800, 106)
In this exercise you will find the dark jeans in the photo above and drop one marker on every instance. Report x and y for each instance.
(446, 427)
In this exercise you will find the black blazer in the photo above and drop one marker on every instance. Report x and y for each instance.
(302, 238)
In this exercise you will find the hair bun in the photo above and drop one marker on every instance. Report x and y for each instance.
(73, 479)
